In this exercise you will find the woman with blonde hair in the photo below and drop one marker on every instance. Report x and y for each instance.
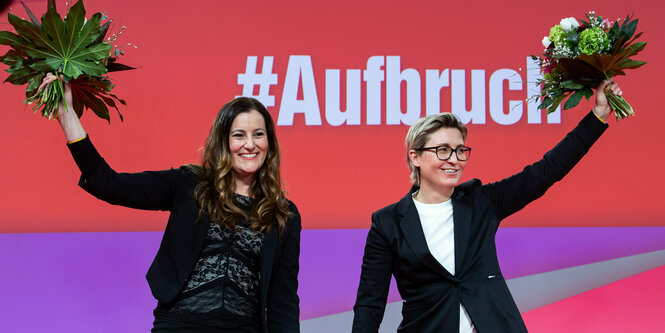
(438, 241)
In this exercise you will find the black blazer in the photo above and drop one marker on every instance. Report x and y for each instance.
(183, 238)
(396, 245)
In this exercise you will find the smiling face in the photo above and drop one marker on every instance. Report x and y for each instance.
(248, 143)
(437, 175)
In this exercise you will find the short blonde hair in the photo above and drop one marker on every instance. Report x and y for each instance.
(419, 134)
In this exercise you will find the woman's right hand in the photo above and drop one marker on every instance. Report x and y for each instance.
(50, 78)
(69, 121)
(602, 109)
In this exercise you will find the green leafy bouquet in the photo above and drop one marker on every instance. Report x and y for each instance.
(75, 49)
(578, 57)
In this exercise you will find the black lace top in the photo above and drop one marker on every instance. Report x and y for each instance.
(223, 290)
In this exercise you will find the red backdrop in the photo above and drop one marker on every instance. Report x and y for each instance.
(189, 58)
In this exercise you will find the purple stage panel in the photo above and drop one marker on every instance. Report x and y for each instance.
(83, 282)
(527, 251)
(331, 259)
(76, 282)
(330, 263)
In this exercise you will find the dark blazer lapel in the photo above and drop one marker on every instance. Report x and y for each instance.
(415, 236)
(268, 251)
(462, 212)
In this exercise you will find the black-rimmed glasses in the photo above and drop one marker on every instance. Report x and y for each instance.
(444, 152)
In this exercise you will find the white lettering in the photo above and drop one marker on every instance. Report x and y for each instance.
(334, 115)
(433, 84)
(533, 89)
(300, 77)
(476, 114)
(496, 97)
(394, 78)
(299, 70)
(373, 75)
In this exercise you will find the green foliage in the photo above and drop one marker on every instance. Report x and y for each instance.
(556, 103)
(572, 85)
(589, 55)
(73, 48)
(576, 97)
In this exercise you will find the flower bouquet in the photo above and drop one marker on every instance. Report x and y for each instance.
(76, 49)
(580, 55)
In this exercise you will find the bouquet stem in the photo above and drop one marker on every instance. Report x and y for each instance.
(48, 100)
(621, 108)
(62, 95)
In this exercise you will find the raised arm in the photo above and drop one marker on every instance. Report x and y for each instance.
(152, 190)
(513, 193)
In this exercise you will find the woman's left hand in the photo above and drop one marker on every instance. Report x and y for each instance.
(603, 108)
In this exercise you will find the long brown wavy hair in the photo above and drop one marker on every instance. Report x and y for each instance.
(214, 191)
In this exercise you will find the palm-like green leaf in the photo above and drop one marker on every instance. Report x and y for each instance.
(47, 65)
(575, 98)
(601, 62)
(8, 38)
(31, 33)
(32, 16)
(63, 45)
(632, 40)
(34, 83)
(615, 72)
(81, 62)
(74, 22)
(71, 47)
(95, 104)
(631, 64)
(631, 50)
(113, 66)
(556, 103)
(11, 58)
(20, 75)
(625, 32)
(571, 84)
(102, 32)
(95, 95)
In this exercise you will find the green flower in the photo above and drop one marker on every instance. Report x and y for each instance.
(557, 35)
(592, 40)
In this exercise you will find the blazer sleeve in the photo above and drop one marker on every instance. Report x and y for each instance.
(374, 280)
(513, 193)
(151, 190)
(284, 303)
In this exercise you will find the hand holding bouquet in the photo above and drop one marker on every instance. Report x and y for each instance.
(75, 49)
(579, 57)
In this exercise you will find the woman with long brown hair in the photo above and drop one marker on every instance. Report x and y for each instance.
(228, 260)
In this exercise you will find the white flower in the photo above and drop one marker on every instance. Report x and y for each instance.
(565, 51)
(569, 24)
(546, 41)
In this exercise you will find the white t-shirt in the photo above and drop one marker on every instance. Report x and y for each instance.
(439, 228)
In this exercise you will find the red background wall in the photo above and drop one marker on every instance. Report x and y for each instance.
(189, 58)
